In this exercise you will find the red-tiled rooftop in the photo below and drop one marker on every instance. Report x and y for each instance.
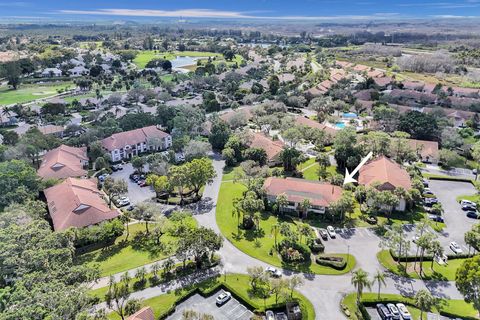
(388, 173)
(301, 120)
(272, 148)
(132, 137)
(77, 203)
(146, 313)
(319, 194)
(63, 162)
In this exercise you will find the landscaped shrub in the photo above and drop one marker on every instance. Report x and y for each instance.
(428, 257)
(364, 312)
(316, 246)
(294, 252)
(338, 263)
(103, 233)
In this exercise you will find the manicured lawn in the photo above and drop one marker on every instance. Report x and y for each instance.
(441, 177)
(259, 244)
(473, 197)
(143, 57)
(30, 92)
(125, 255)
(439, 272)
(236, 283)
(459, 308)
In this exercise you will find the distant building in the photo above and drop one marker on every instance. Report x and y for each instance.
(64, 162)
(125, 145)
(53, 130)
(272, 148)
(427, 151)
(77, 203)
(51, 72)
(78, 71)
(320, 195)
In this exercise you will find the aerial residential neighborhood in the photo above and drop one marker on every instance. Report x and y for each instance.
(273, 160)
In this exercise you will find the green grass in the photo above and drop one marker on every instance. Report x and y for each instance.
(459, 308)
(236, 283)
(439, 272)
(442, 177)
(143, 57)
(259, 244)
(27, 93)
(124, 255)
(473, 197)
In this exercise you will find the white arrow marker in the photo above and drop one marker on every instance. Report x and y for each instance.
(349, 176)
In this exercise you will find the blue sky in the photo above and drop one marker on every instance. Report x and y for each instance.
(240, 9)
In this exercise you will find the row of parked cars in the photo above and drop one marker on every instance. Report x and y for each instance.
(328, 232)
(470, 209)
(269, 315)
(429, 200)
(391, 311)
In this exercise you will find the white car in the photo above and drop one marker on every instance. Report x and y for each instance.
(455, 247)
(415, 239)
(331, 232)
(273, 272)
(404, 311)
(270, 315)
(223, 298)
(394, 311)
(123, 201)
(468, 203)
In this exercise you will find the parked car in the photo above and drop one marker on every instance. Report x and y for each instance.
(140, 181)
(130, 207)
(469, 207)
(455, 247)
(223, 297)
(473, 214)
(435, 218)
(117, 167)
(102, 177)
(281, 316)
(425, 183)
(331, 232)
(394, 311)
(323, 233)
(415, 239)
(274, 272)
(428, 192)
(122, 202)
(404, 311)
(143, 184)
(383, 311)
(464, 202)
(269, 315)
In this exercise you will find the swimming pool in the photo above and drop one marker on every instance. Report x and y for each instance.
(349, 115)
(340, 125)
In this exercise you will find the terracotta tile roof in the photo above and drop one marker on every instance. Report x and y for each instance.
(319, 194)
(300, 120)
(383, 81)
(343, 64)
(375, 74)
(361, 67)
(132, 137)
(426, 148)
(50, 129)
(413, 85)
(63, 162)
(286, 77)
(385, 171)
(272, 148)
(77, 203)
(146, 313)
(365, 94)
(247, 111)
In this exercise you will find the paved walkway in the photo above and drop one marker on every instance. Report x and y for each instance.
(325, 292)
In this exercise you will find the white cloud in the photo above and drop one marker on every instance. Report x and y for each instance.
(209, 13)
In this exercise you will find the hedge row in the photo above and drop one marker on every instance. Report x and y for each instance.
(337, 263)
(428, 257)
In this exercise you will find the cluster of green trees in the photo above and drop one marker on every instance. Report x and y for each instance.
(263, 286)
(38, 272)
(191, 176)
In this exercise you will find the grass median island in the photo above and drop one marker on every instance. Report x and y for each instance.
(128, 254)
(455, 308)
(439, 272)
(144, 57)
(259, 243)
(238, 284)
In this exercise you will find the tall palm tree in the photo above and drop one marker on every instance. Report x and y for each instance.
(379, 278)
(424, 301)
(360, 281)
(275, 230)
(304, 230)
(238, 213)
(436, 250)
(281, 201)
(305, 205)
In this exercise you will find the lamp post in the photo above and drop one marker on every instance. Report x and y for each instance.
(348, 254)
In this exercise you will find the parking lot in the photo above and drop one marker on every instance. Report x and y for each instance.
(136, 194)
(455, 219)
(230, 310)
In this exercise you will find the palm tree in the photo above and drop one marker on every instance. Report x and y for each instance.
(125, 219)
(424, 301)
(360, 281)
(281, 201)
(304, 230)
(238, 213)
(256, 219)
(305, 205)
(379, 278)
(435, 249)
(275, 230)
